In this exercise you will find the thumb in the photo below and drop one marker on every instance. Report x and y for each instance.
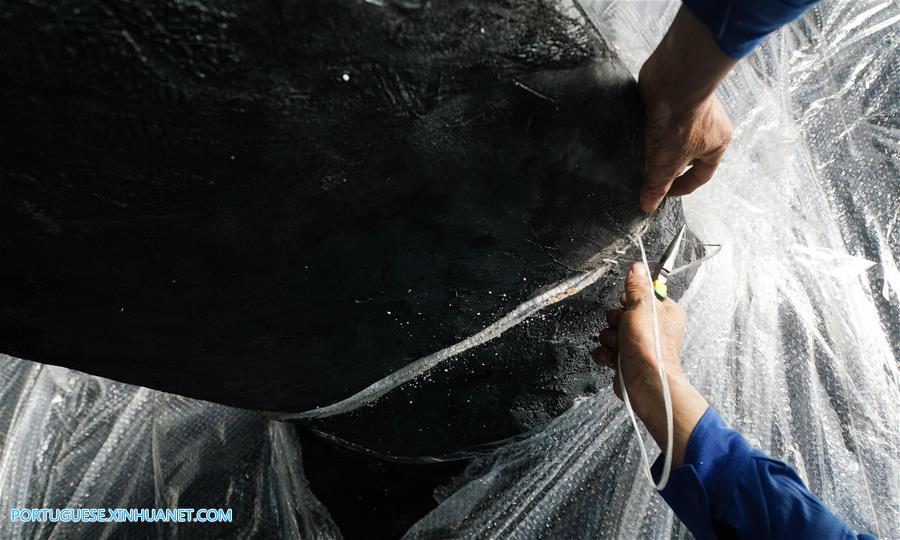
(652, 196)
(637, 291)
(663, 165)
(661, 172)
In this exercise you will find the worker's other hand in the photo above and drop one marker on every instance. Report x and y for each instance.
(685, 124)
(630, 334)
(676, 139)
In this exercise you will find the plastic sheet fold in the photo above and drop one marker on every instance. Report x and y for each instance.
(71, 440)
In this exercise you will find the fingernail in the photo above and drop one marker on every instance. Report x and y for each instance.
(637, 270)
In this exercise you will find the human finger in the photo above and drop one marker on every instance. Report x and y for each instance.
(604, 356)
(697, 175)
(636, 290)
(613, 317)
(652, 196)
(609, 337)
(663, 165)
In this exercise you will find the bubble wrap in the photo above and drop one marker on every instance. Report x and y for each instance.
(793, 335)
(793, 329)
(71, 440)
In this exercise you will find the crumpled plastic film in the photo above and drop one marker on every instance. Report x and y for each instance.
(794, 332)
(793, 329)
(72, 440)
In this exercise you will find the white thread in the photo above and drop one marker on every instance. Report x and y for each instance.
(560, 291)
(667, 397)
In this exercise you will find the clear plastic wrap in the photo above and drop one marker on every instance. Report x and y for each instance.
(793, 335)
(71, 440)
(793, 328)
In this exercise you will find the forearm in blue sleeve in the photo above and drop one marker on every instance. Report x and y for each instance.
(739, 25)
(727, 489)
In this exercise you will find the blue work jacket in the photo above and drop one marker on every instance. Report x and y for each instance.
(727, 489)
(738, 26)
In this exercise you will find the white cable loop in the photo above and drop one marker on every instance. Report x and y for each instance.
(667, 396)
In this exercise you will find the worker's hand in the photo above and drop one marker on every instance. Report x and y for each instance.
(678, 138)
(630, 334)
(685, 124)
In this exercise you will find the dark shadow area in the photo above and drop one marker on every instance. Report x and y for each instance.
(370, 498)
(273, 205)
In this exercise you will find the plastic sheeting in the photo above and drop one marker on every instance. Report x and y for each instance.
(793, 328)
(792, 335)
(71, 440)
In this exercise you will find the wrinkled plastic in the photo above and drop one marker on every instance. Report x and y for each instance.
(71, 440)
(793, 336)
(793, 328)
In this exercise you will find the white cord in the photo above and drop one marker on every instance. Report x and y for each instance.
(667, 397)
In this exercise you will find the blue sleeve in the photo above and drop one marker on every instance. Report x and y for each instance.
(739, 25)
(728, 489)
